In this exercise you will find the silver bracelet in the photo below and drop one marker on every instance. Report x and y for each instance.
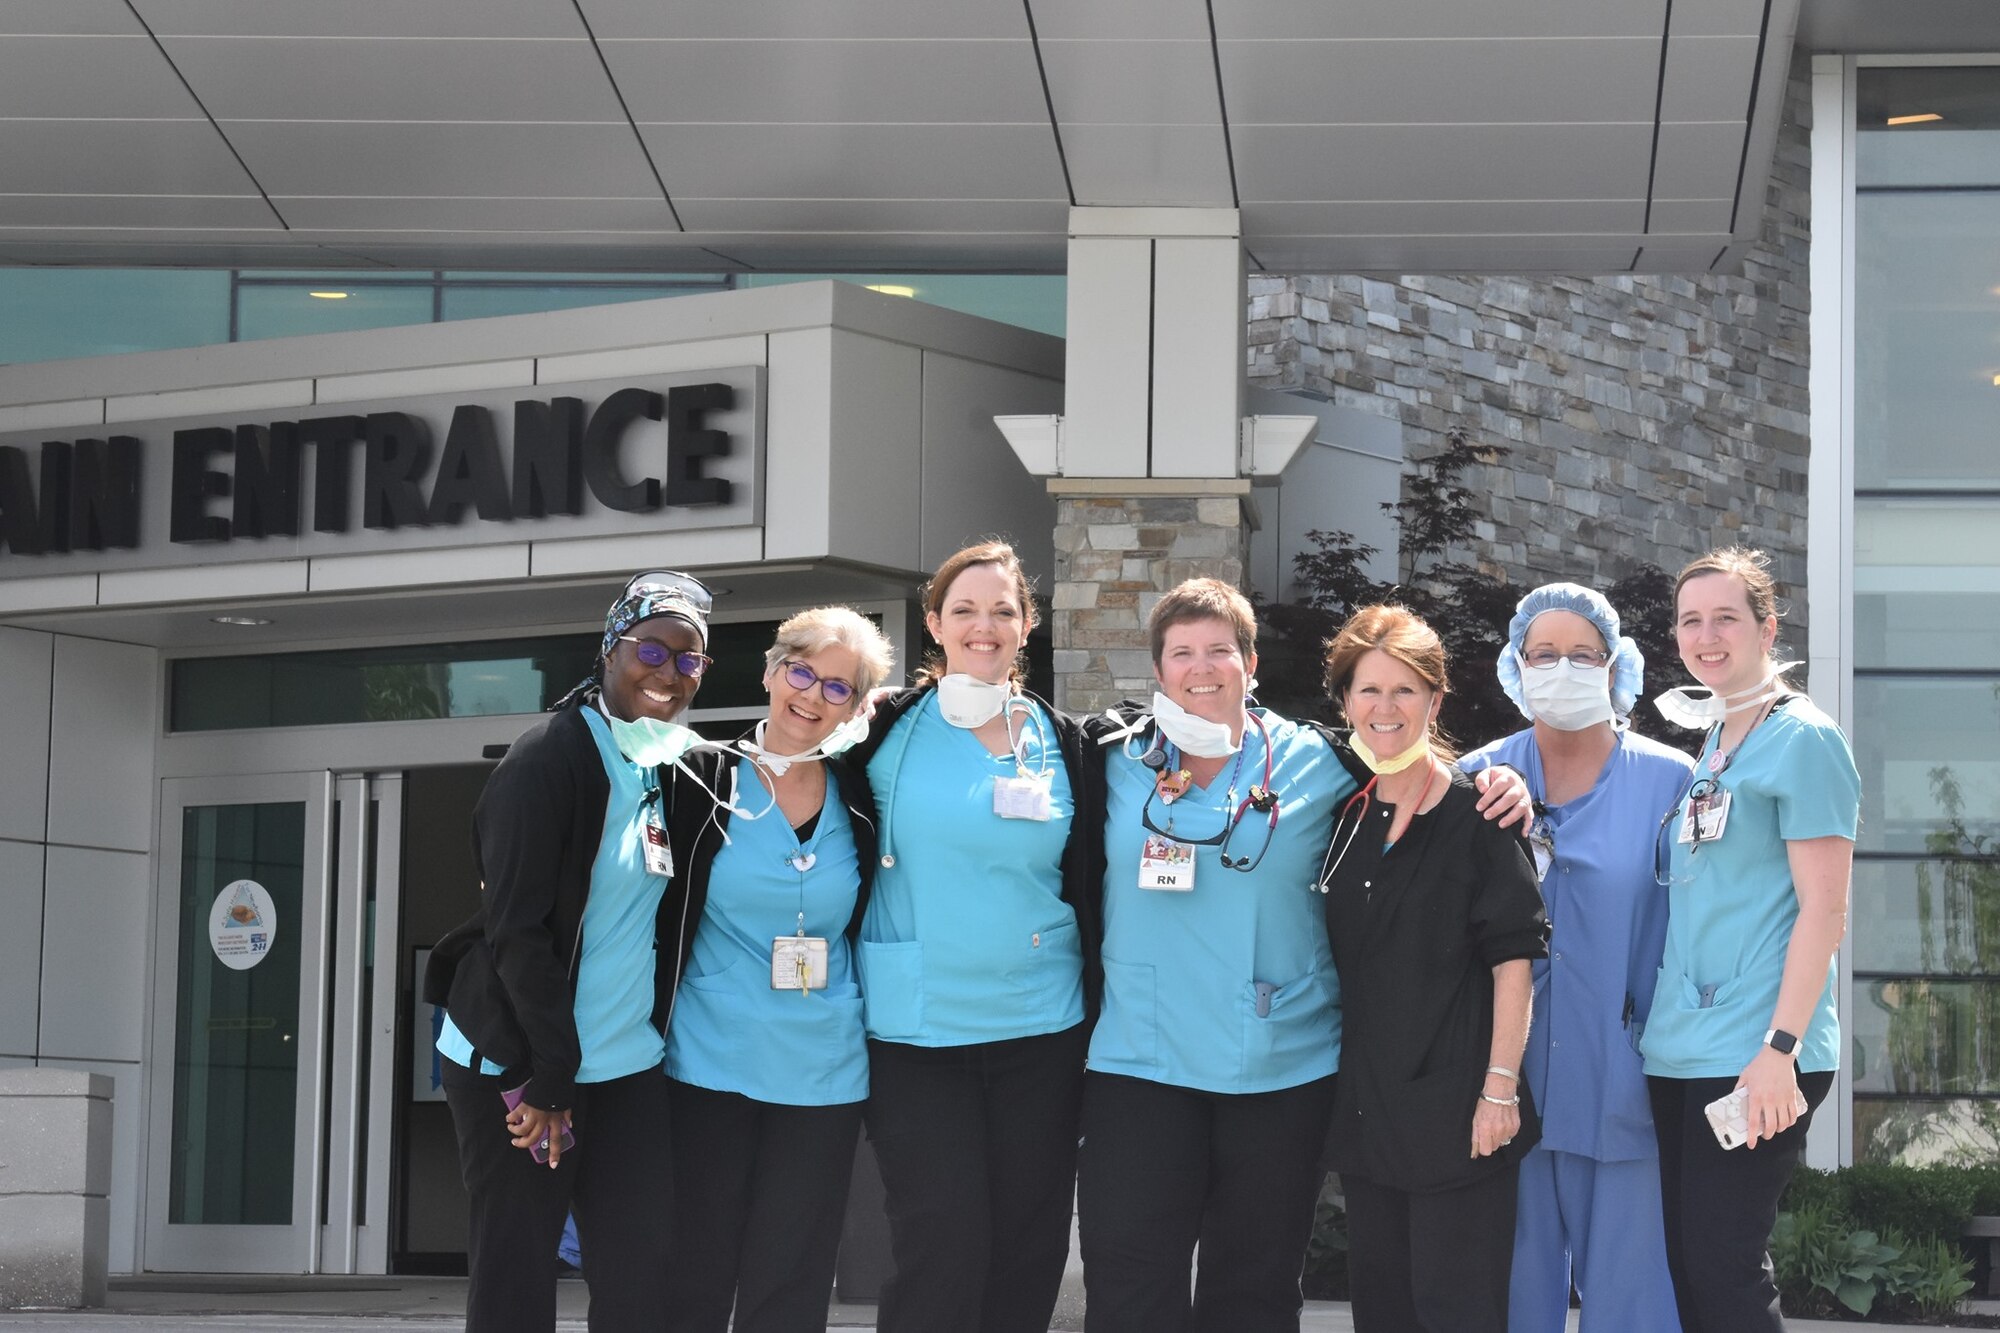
(1515, 1100)
(1504, 1072)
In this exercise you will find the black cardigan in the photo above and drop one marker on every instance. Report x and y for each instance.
(1083, 853)
(507, 976)
(1416, 933)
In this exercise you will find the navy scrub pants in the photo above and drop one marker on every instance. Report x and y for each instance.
(1162, 1168)
(977, 1146)
(1719, 1206)
(617, 1180)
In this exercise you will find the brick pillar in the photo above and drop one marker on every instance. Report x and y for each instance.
(1120, 543)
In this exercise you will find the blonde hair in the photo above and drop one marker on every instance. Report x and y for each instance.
(814, 631)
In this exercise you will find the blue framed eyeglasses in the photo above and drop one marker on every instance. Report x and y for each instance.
(655, 655)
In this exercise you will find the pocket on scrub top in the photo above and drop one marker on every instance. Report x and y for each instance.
(1294, 1029)
(1128, 1028)
(892, 988)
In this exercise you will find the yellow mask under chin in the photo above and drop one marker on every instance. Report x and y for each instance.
(1394, 763)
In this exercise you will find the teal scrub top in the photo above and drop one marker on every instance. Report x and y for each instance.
(1732, 904)
(1183, 971)
(734, 1032)
(967, 938)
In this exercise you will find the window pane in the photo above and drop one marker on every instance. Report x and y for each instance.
(281, 311)
(479, 302)
(1927, 340)
(1915, 1034)
(1897, 626)
(395, 684)
(1940, 916)
(1929, 753)
(51, 314)
(1960, 147)
(1958, 1132)
(1032, 301)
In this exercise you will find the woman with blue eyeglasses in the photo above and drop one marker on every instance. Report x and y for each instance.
(1589, 1208)
(558, 992)
(766, 1057)
(1211, 1069)
(1758, 854)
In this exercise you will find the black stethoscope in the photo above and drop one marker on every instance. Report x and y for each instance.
(1260, 798)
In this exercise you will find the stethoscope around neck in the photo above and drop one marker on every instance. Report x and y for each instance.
(1259, 798)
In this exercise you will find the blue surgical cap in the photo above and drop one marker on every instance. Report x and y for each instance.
(1628, 664)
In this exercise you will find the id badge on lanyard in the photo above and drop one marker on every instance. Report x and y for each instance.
(653, 842)
(1166, 864)
(1023, 796)
(1705, 817)
(798, 962)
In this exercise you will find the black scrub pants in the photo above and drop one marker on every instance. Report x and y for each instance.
(1719, 1205)
(1431, 1263)
(617, 1180)
(760, 1195)
(977, 1146)
(1162, 1168)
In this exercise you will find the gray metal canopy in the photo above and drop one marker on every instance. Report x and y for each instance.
(868, 135)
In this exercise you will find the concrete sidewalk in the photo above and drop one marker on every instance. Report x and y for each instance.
(244, 1304)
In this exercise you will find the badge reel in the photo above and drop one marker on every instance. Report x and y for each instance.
(798, 962)
(1705, 818)
(1166, 864)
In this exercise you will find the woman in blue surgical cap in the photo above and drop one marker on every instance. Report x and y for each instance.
(1589, 1205)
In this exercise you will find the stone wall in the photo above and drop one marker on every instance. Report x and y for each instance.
(1117, 551)
(1649, 418)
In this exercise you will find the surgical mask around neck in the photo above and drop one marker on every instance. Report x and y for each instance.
(1566, 696)
(843, 737)
(649, 742)
(1193, 735)
(1395, 763)
(969, 702)
(1697, 708)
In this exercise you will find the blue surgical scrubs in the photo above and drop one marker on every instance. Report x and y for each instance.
(614, 972)
(1229, 988)
(732, 1031)
(1589, 1205)
(949, 958)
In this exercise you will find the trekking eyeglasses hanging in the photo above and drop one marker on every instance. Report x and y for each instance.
(1171, 784)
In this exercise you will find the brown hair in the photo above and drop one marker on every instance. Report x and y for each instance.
(1203, 599)
(1747, 563)
(991, 552)
(1403, 635)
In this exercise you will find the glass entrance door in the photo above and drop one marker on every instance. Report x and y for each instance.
(269, 1048)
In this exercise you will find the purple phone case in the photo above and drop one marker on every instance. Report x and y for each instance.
(540, 1151)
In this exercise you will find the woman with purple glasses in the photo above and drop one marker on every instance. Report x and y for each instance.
(767, 1061)
(558, 991)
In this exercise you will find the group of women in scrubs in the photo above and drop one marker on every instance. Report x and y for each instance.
(1193, 934)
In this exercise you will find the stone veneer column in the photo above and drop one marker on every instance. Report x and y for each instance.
(1121, 542)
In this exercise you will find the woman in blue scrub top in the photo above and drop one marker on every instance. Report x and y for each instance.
(766, 1060)
(1589, 1208)
(978, 965)
(1757, 855)
(559, 990)
(1211, 1074)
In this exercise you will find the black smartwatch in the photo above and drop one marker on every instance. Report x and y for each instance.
(1781, 1041)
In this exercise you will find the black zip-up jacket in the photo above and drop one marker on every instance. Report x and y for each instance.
(1083, 853)
(507, 976)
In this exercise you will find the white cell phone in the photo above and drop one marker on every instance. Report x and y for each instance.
(1729, 1116)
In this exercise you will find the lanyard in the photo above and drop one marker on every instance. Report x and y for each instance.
(1260, 798)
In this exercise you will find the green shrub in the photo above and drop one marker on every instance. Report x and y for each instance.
(1825, 1267)
(1922, 1202)
(1985, 1182)
(1930, 1279)
(1813, 1189)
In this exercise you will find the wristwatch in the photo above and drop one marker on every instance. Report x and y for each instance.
(1781, 1041)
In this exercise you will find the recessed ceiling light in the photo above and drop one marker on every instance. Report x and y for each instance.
(329, 296)
(891, 290)
(1916, 119)
(240, 620)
